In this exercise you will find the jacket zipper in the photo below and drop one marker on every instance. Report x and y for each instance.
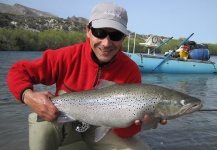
(97, 76)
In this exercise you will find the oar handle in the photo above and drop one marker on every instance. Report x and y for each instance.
(185, 40)
(208, 110)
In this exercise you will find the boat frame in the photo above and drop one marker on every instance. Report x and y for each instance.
(148, 63)
(152, 63)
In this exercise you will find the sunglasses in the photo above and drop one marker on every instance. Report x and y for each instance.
(101, 34)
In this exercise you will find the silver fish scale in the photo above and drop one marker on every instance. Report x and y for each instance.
(108, 106)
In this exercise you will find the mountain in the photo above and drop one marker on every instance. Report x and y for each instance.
(23, 10)
(13, 16)
(79, 19)
(18, 9)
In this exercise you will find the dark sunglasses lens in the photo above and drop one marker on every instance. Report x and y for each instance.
(99, 33)
(116, 36)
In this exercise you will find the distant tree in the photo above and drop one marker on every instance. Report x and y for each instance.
(20, 39)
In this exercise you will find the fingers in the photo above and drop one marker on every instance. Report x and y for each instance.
(49, 112)
(41, 104)
(146, 117)
(163, 121)
(52, 112)
(155, 126)
(149, 121)
(138, 122)
(49, 94)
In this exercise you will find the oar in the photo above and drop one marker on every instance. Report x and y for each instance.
(185, 40)
(162, 44)
(208, 110)
(170, 54)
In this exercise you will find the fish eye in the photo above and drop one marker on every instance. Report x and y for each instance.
(183, 102)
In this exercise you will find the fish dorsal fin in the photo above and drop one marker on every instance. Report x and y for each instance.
(61, 92)
(104, 83)
(100, 132)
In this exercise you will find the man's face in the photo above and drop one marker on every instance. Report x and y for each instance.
(105, 49)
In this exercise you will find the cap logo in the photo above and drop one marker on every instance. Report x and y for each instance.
(113, 13)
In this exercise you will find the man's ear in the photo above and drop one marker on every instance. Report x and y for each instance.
(87, 30)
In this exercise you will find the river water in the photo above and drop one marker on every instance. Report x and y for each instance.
(197, 131)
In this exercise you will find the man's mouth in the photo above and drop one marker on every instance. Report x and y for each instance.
(106, 50)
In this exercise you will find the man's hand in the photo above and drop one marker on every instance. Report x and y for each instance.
(41, 104)
(148, 118)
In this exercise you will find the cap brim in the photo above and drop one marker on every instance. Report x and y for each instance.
(105, 23)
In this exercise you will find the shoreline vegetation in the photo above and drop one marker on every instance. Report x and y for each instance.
(31, 33)
(19, 39)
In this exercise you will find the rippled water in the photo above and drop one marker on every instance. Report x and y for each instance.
(196, 131)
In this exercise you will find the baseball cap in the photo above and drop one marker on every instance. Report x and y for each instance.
(109, 15)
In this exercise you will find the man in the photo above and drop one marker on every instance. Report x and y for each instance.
(78, 68)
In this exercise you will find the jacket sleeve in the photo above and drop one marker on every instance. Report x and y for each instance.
(135, 77)
(127, 132)
(23, 74)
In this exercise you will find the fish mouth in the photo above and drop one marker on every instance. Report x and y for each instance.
(194, 108)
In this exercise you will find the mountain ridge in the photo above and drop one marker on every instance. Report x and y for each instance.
(19, 9)
(17, 15)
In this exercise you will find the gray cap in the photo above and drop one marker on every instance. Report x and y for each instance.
(109, 15)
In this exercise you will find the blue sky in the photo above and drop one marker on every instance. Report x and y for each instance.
(177, 18)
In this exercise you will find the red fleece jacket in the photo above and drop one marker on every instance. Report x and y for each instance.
(73, 69)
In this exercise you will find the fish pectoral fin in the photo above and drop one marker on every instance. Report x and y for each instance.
(150, 122)
(62, 118)
(100, 132)
(150, 125)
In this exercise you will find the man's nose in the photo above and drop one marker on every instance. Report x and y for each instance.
(106, 41)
